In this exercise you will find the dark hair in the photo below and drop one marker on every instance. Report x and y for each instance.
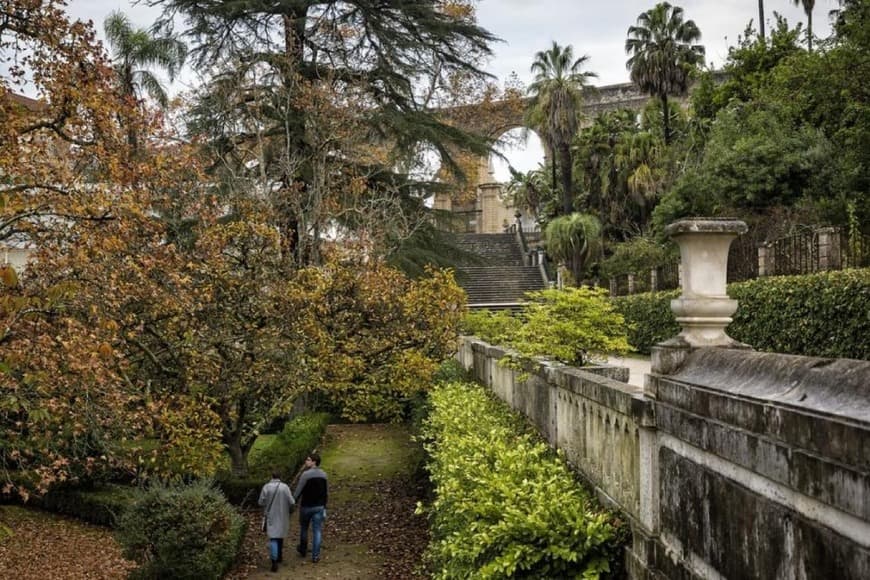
(276, 473)
(315, 457)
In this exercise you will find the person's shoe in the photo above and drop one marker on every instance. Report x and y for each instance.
(315, 559)
(300, 549)
(274, 565)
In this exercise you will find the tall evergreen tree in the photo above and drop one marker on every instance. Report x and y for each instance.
(557, 95)
(287, 70)
(663, 54)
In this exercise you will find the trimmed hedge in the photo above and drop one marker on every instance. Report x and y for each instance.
(648, 318)
(825, 315)
(507, 506)
(102, 505)
(287, 452)
(181, 531)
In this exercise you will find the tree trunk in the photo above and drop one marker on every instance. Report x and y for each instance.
(810, 30)
(238, 455)
(567, 178)
(666, 117)
(761, 19)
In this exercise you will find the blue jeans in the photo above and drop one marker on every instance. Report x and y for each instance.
(314, 515)
(276, 546)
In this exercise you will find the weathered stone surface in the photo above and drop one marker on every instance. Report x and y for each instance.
(711, 520)
(839, 387)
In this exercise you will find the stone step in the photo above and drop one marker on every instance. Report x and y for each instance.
(500, 279)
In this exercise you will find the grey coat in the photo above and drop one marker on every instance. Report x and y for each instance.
(278, 514)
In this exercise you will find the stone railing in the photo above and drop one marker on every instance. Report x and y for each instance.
(729, 463)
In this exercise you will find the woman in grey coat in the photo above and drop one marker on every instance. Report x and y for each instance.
(277, 501)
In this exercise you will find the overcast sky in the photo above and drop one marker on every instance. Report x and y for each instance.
(596, 29)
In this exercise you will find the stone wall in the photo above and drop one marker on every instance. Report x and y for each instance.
(735, 464)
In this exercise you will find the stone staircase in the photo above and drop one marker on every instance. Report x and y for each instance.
(499, 279)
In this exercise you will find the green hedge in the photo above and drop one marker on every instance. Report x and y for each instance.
(506, 506)
(648, 318)
(181, 531)
(287, 452)
(102, 505)
(825, 314)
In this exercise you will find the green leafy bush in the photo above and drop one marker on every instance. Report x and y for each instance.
(286, 452)
(825, 314)
(649, 318)
(103, 505)
(182, 531)
(567, 325)
(506, 506)
(495, 327)
(636, 255)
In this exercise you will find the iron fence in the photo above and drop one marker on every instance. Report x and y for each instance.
(856, 250)
(797, 254)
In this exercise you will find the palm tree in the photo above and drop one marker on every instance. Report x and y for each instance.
(557, 94)
(662, 54)
(135, 52)
(808, 10)
(761, 18)
(572, 240)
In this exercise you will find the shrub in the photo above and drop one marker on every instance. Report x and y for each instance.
(287, 452)
(825, 314)
(635, 256)
(182, 531)
(566, 325)
(103, 505)
(649, 318)
(506, 506)
(495, 327)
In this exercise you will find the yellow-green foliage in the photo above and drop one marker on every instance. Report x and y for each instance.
(495, 327)
(505, 505)
(567, 325)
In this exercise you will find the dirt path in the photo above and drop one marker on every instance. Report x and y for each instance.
(371, 531)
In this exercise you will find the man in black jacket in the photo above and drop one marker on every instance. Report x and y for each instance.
(311, 495)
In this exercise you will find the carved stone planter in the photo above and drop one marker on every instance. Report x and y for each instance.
(703, 310)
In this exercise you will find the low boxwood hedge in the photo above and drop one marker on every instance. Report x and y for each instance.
(505, 505)
(825, 314)
(102, 505)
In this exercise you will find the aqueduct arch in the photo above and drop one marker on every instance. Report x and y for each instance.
(487, 214)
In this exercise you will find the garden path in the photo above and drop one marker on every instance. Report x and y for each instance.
(371, 531)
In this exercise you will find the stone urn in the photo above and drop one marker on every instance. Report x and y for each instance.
(703, 310)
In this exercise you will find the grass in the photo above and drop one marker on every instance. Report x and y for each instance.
(385, 453)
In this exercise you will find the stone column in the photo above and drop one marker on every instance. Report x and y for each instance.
(631, 283)
(653, 279)
(765, 260)
(830, 257)
(703, 309)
